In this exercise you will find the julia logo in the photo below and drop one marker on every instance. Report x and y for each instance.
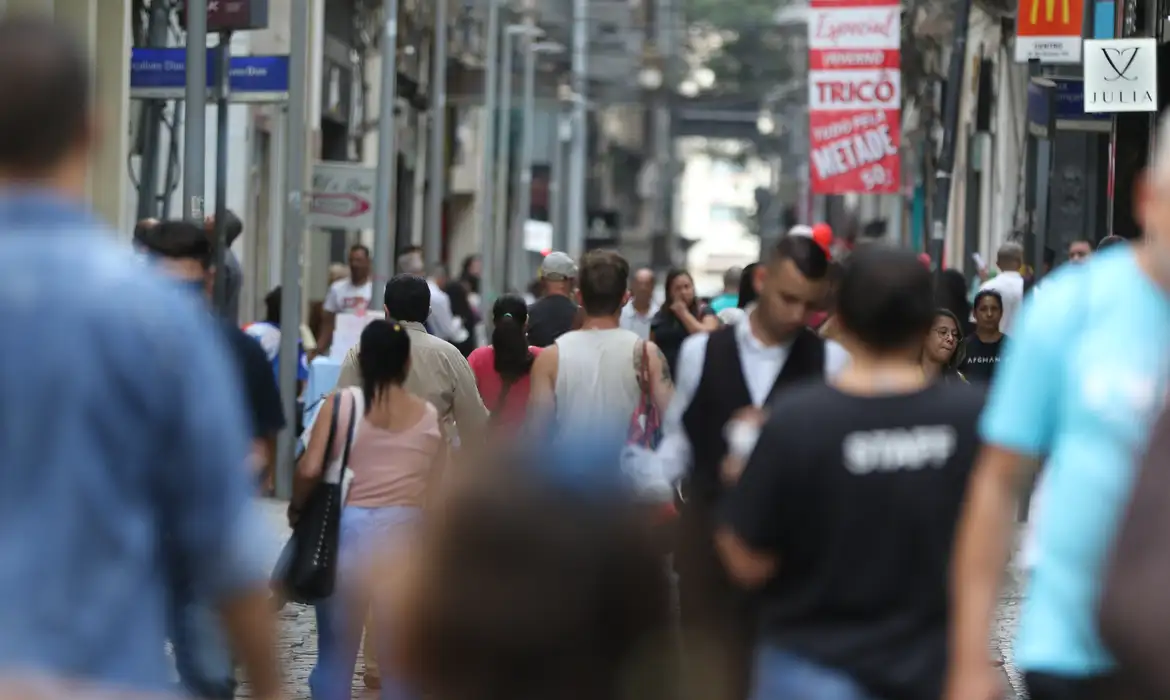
(1120, 60)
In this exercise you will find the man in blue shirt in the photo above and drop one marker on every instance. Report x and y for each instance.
(1083, 375)
(125, 442)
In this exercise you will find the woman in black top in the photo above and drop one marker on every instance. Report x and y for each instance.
(942, 351)
(680, 316)
(982, 348)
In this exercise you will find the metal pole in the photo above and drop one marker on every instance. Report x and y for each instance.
(663, 144)
(196, 98)
(576, 192)
(524, 190)
(219, 250)
(556, 183)
(486, 188)
(946, 159)
(151, 124)
(433, 240)
(384, 227)
(504, 164)
(294, 219)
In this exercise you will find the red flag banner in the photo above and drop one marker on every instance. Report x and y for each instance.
(855, 96)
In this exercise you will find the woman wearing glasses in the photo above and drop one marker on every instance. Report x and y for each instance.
(941, 351)
(982, 349)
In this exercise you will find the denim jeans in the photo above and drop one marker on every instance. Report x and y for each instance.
(202, 657)
(340, 619)
(780, 675)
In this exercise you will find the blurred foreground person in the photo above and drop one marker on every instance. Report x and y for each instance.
(723, 377)
(184, 252)
(502, 369)
(1087, 415)
(125, 439)
(397, 450)
(842, 520)
(530, 586)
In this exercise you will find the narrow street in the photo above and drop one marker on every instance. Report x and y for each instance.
(298, 635)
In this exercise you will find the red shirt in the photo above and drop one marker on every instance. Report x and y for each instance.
(482, 361)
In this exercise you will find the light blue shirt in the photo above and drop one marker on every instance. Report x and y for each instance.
(123, 449)
(1082, 377)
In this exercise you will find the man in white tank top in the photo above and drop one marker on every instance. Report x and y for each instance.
(588, 380)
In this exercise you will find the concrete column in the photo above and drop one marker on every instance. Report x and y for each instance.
(81, 18)
(112, 72)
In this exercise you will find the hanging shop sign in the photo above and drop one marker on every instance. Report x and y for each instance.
(1049, 30)
(855, 96)
(1121, 75)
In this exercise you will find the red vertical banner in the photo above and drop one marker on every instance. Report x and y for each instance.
(855, 96)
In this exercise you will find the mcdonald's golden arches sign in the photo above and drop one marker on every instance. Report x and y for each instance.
(1049, 30)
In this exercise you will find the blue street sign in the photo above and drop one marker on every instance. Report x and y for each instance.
(162, 74)
(1070, 108)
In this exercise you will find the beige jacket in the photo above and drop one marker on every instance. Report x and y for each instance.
(440, 374)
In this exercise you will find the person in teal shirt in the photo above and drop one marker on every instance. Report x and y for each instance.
(729, 299)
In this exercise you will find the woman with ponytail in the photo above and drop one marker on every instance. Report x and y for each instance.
(502, 368)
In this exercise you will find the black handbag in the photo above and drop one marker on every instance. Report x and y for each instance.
(310, 568)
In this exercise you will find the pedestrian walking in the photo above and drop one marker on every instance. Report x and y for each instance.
(722, 376)
(503, 369)
(981, 350)
(638, 313)
(942, 349)
(555, 313)
(841, 522)
(348, 295)
(680, 316)
(125, 432)
(1009, 283)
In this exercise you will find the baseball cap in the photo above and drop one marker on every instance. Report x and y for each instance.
(558, 266)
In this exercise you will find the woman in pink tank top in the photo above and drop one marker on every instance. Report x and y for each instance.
(502, 368)
(397, 450)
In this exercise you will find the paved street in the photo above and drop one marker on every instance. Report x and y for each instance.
(298, 639)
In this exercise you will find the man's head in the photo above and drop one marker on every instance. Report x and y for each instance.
(410, 262)
(440, 275)
(1010, 257)
(47, 123)
(603, 280)
(407, 298)
(272, 306)
(642, 286)
(558, 272)
(233, 226)
(183, 251)
(885, 302)
(731, 279)
(791, 284)
(359, 263)
(1079, 251)
(1109, 241)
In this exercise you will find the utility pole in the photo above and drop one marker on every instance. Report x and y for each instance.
(295, 177)
(557, 186)
(219, 244)
(433, 238)
(504, 164)
(384, 221)
(151, 122)
(580, 81)
(486, 189)
(196, 123)
(524, 190)
(663, 143)
(946, 159)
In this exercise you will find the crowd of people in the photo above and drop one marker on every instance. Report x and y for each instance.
(802, 489)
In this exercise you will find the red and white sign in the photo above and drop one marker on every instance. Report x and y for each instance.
(855, 96)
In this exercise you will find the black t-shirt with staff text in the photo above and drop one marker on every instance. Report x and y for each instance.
(858, 497)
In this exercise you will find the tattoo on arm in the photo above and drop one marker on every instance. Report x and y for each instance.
(664, 373)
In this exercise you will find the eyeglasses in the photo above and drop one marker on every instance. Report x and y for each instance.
(944, 333)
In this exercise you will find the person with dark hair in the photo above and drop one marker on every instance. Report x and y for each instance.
(267, 333)
(439, 372)
(595, 377)
(397, 451)
(531, 588)
(125, 428)
(502, 369)
(232, 271)
(725, 378)
(745, 296)
(350, 295)
(469, 274)
(858, 480)
(1009, 282)
(463, 315)
(942, 348)
(639, 311)
(982, 349)
(1079, 251)
(1109, 242)
(680, 316)
(554, 313)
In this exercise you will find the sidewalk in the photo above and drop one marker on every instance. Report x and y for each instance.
(298, 629)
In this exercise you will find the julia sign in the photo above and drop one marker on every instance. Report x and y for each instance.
(855, 96)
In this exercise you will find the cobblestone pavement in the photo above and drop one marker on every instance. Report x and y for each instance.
(298, 635)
